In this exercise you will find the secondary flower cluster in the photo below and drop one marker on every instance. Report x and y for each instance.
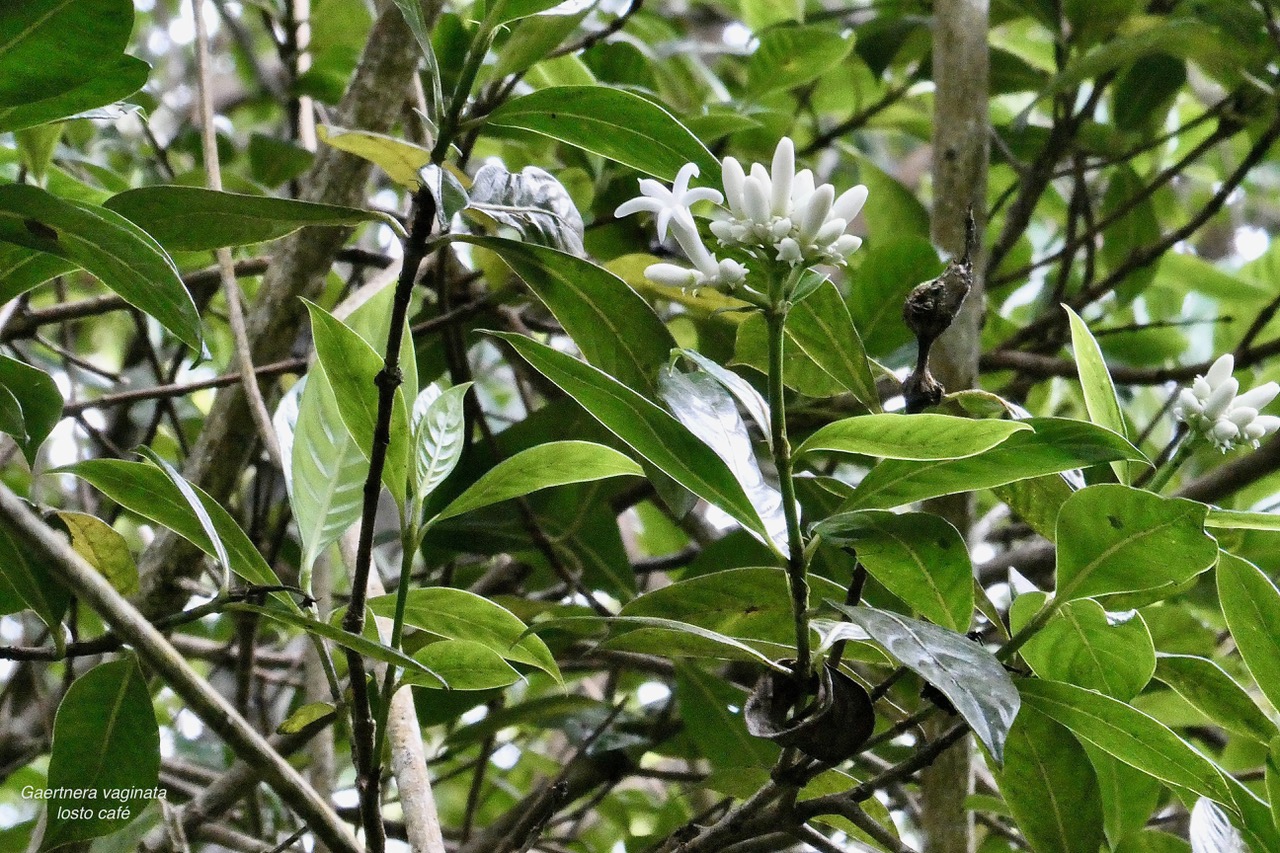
(1211, 408)
(775, 214)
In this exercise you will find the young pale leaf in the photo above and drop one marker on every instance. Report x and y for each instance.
(967, 674)
(196, 508)
(50, 46)
(752, 402)
(700, 403)
(39, 400)
(1114, 539)
(122, 255)
(351, 365)
(103, 548)
(613, 123)
(363, 645)
(105, 737)
(145, 490)
(456, 614)
(399, 159)
(612, 325)
(1095, 381)
(464, 665)
(541, 467)
(1251, 605)
(108, 86)
(1050, 787)
(439, 430)
(1084, 645)
(30, 583)
(917, 437)
(532, 202)
(919, 557)
(192, 219)
(649, 430)
(1056, 445)
(1208, 688)
(822, 327)
(1130, 735)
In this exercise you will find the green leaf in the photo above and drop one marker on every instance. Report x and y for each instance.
(751, 347)
(917, 437)
(705, 704)
(103, 548)
(352, 366)
(514, 10)
(455, 614)
(464, 665)
(1095, 381)
(123, 256)
(891, 266)
(612, 325)
(532, 202)
(300, 719)
(1130, 735)
(194, 506)
(145, 490)
(439, 433)
(743, 391)
(191, 219)
(362, 645)
(1050, 787)
(674, 639)
(1238, 520)
(918, 556)
(1084, 645)
(1251, 605)
(791, 56)
(325, 470)
(1208, 688)
(105, 738)
(21, 269)
(1129, 796)
(31, 583)
(971, 678)
(761, 14)
(1271, 778)
(1056, 445)
(50, 46)
(613, 123)
(649, 430)
(39, 401)
(399, 159)
(822, 327)
(107, 86)
(1112, 539)
(557, 463)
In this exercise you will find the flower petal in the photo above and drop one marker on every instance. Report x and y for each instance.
(849, 204)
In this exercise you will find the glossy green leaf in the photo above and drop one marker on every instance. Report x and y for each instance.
(1135, 738)
(1208, 688)
(674, 639)
(613, 123)
(439, 433)
(1084, 645)
(822, 328)
(1056, 445)
(1232, 519)
(464, 665)
(1251, 605)
(971, 678)
(123, 256)
(105, 737)
(145, 490)
(195, 507)
(650, 431)
(305, 716)
(1271, 778)
(50, 46)
(399, 159)
(103, 548)
(1129, 796)
(751, 347)
(1253, 817)
(192, 219)
(918, 556)
(21, 269)
(612, 325)
(1050, 787)
(541, 467)
(916, 437)
(351, 365)
(362, 645)
(109, 85)
(30, 583)
(456, 614)
(39, 401)
(1095, 381)
(532, 202)
(751, 400)
(791, 56)
(1113, 539)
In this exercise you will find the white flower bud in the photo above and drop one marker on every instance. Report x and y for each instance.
(1259, 397)
(850, 203)
(782, 175)
(671, 275)
(1221, 398)
(734, 179)
(814, 213)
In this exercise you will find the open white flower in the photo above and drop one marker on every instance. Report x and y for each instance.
(1212, 408)
(668, 204)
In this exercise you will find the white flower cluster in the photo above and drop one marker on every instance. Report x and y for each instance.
(1211, 408)
(775, 214)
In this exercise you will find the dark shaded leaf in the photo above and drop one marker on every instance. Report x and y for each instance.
(39, 401)
(51, 46)
(107, 86)
(532, 202)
